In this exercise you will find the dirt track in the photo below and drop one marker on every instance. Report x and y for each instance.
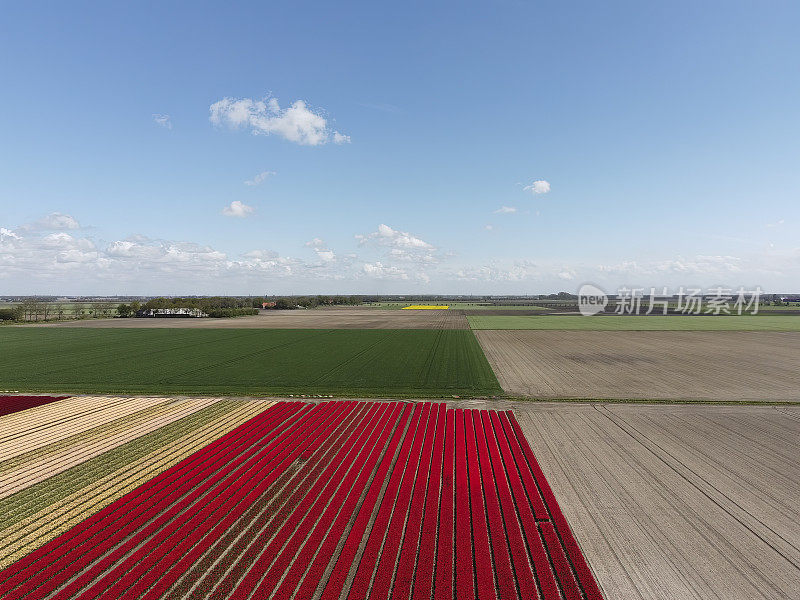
(320, 318)
(719, 365)
(677, 502)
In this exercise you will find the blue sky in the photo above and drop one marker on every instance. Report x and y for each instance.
(667, 132)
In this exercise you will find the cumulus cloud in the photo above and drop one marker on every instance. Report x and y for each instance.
(378, 270)
(237, 208)
(8, 233)
(57, 221)
(316, 243)
(321, 249)
(386, 236)
(505, 210)
(697, 265)
(538, 187)
(400, 246)
(260, 178)
(162, 120)
(298, 123)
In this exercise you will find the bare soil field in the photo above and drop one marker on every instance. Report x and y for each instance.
(708, 365)
(676, 501)
(319, 318)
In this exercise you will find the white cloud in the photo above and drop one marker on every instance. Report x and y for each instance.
(776, 224)
(57, 221)
(538, 187)
(298, 123)
(319, 246)
(162, 120)
(386, 236)
(316, 243)
(238, 209)
(325, 255)
(260, 178)
(506, 210)
(37, 260)
(488, 227)
(380, 271)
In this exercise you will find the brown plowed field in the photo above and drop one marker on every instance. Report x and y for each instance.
(677, 501)
(710, 365)
(319, 318)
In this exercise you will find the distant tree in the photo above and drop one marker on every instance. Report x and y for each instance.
(284, 304)
(124, 310)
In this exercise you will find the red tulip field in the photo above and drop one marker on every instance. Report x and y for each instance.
(333, 500)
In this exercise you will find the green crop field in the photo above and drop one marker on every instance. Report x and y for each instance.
(246, 361)
(639, 323)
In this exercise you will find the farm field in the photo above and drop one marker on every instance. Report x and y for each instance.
(317, 318)
(343, 362)
(711, 365)
(12, 404)
(639, 322)
(71, 458)
(452, 306)
(676, 502)
(340, 499)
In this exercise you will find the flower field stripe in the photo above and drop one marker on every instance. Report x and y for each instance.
(381, 585)
(19, 423)
(445, 550)
(55, 549)
(569, 585)
(504, 574)
(464, 557)
(538, 555)
(26, 503)
(98, 556)
(220, 514)
(288, 516)
(57, 462)
(165, 573)
(336, 579)
(76, 413)
(38, 438)
(484, 572)
(271, 565)
(369, 557)
(514, 538)
(322, 560)
(222, 489)
(223, 554)
(406, 562)
(97, 430)
(236, 561)
(531, 488)
(573, 551)
(423, 576)
(13, 404)
(331, 526)
(64, 419)
(107, 522)
(30, 534)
